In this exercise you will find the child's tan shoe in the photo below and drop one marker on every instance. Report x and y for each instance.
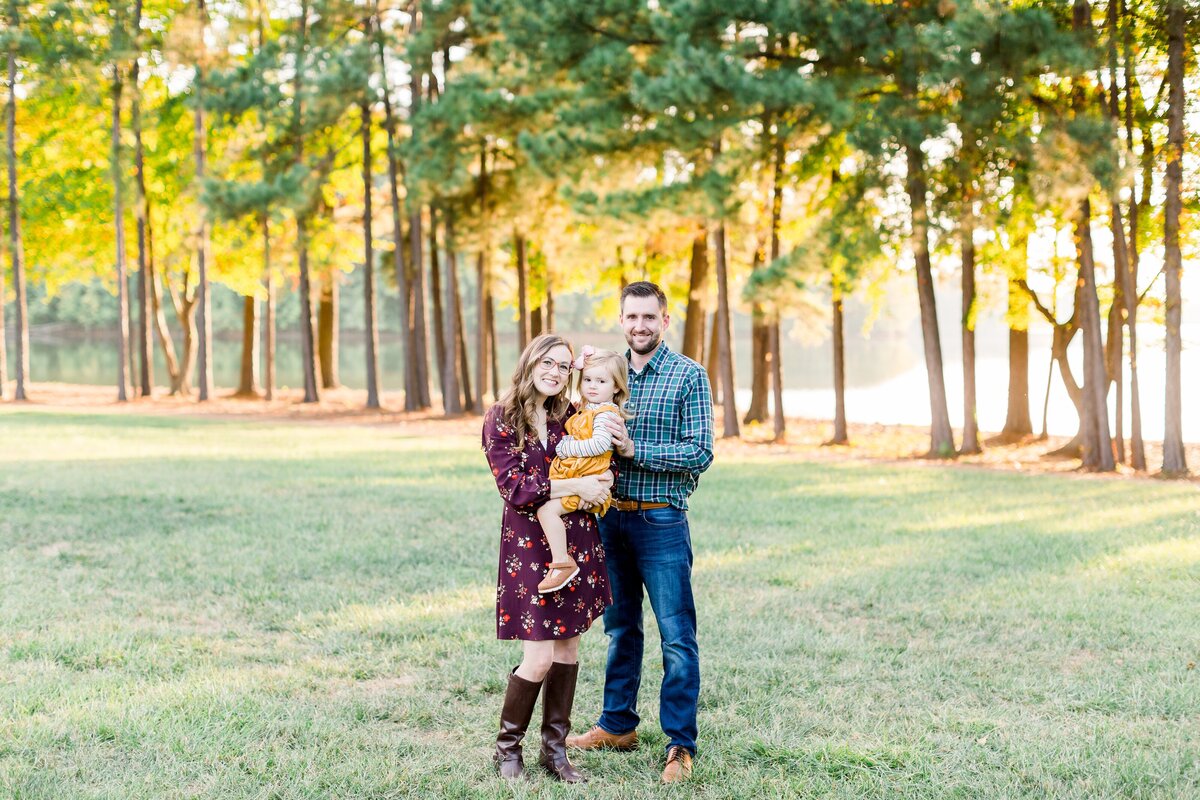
(559, 575)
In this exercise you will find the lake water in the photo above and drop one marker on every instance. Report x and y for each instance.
(885, 371)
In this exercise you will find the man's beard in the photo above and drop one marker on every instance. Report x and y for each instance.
(655, 341)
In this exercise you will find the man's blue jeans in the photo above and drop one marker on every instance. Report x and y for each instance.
(651, 549)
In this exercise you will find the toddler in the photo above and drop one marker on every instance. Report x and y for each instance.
(585, 450)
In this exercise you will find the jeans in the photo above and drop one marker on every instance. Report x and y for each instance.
(650, 548)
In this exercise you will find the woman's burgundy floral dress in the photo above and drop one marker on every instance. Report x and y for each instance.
(523, 478)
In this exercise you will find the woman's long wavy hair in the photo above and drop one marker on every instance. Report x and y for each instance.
(519, 404)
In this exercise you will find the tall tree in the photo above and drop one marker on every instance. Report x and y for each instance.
(119, 45)
(1174, 456)
(372, 326)
(1097, 441)
(145, 315)
(200, 154)
(1137, 202)
(451, 391)
(402, 267)
(15, 249)
(724, 336)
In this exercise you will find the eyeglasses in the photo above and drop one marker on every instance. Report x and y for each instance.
(564, 367)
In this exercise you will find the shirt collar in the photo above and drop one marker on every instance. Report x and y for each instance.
(656, 361)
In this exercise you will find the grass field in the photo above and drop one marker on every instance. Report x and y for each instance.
(197, 608)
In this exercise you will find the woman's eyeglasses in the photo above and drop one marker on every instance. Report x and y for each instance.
(564, 367)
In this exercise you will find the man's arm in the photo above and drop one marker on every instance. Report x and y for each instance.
(693, 452)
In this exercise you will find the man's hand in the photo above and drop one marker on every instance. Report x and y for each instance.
(620, 436)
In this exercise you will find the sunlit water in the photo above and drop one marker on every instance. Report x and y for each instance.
(885, 370)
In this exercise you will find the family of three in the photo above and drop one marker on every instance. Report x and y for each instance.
(595, 520)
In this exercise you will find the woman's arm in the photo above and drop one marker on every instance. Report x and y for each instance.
(521, 482)
(591, 489)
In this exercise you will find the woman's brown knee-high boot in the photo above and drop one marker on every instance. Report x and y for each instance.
(514, 720)
(558, 695)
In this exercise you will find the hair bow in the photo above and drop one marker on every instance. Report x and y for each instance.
(584, 352)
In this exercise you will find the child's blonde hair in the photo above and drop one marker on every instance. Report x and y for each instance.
(618, 368)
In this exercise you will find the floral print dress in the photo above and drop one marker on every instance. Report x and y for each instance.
(523, 477)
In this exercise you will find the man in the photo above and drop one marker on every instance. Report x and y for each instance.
(647, 543)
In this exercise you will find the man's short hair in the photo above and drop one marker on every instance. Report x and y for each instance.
(644, 289)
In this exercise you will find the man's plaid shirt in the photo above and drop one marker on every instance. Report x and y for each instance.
(672, 430)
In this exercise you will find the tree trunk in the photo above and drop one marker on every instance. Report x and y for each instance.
(1114, 347)
(420, 338)
(145, 278)
(269, 333)
(203, 313)
(774, 341)
(725, 340)
(840, 433)
(941, 438)
(247, 385)
(483, 334)
(1174, 457)
(536, 326)
(548, 308)
(760, 365)
(186, 313)
(307, 335)
(693, 321)
(15, 250)
(970, 442)
(1097, 444)
(522, 291)
(460, 336)
(493, 347)
(1017, 421)
(713, 362)
(372, 333)
(774, 349)
(118, 217)
(451, 392)
(403, 270)
(307, 343)
(1137, 447)
(329, 329)
(408, 332)
(435, 297)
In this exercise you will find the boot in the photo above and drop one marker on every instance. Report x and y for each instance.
(514, 720)
(557, 699)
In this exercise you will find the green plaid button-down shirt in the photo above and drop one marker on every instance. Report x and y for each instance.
(672, 430)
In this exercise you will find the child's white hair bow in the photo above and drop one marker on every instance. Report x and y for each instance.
(584, 352)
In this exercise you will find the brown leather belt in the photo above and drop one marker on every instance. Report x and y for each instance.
(636, 505)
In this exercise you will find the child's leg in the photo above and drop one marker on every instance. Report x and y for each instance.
(550, 517)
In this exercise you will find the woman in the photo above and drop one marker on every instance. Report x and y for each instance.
(520, 434)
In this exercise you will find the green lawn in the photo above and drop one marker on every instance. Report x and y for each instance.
(237, 610)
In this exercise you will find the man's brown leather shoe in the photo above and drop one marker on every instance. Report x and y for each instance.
(679, 765)
(599, 739)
